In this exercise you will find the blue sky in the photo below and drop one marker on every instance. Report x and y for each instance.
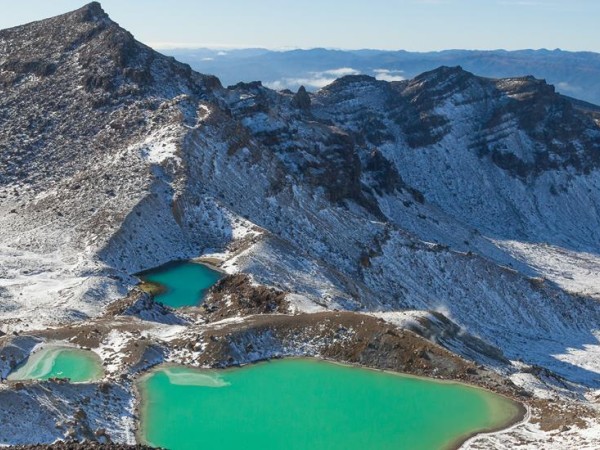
(419, 25)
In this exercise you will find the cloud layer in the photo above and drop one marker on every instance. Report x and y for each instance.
(389, 75)
(314, 80)
(318, 80)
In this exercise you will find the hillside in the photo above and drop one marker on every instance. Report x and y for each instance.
(460, 208)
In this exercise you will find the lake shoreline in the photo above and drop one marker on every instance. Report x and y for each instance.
(521, 415)
(158, 282)
(35, 367)
(521, 418)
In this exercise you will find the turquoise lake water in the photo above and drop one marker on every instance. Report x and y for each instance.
(60, 362)
(310, 404)
(184, 283)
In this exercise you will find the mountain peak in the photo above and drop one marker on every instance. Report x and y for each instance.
(106, 56)
(91, 12)
(348, 80)
(444, 73)
(434, 86)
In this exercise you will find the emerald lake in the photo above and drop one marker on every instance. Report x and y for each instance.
(183, 283)
(60, 362)
(311, 404)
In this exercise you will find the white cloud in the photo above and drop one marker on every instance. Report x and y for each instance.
(567, 87)
(318, 80)
(389, 75)
(294, 83)
(314, 80)
(341, 72)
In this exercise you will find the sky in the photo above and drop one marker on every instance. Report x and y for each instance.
(415, 25)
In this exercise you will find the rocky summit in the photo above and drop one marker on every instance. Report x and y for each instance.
(445, 226)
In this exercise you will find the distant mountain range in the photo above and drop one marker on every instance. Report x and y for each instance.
(576, 74)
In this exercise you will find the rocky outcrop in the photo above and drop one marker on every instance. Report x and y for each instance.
(301, 99)
(338, 336)
(237, 296)
(141, 304)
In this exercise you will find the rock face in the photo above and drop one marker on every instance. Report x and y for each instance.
(458, 139)
(301, 99)
(234, 296)
(473, 197)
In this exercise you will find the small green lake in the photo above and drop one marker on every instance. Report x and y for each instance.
(183, 283)
(311, 404)
(60, 362)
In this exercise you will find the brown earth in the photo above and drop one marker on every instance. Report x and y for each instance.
(554, 415)
(120, 306)
(341, 336)
(235, 295)
(91, 334)
(345, 337)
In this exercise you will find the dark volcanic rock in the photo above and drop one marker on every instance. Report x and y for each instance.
(552, 121)
(301, 99)
(385, 177)
(142, 305)
(245, 86)
(236, 295)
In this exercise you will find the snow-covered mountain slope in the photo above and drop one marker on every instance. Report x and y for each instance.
(87, 115)
(506, 160)
(474, 198)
